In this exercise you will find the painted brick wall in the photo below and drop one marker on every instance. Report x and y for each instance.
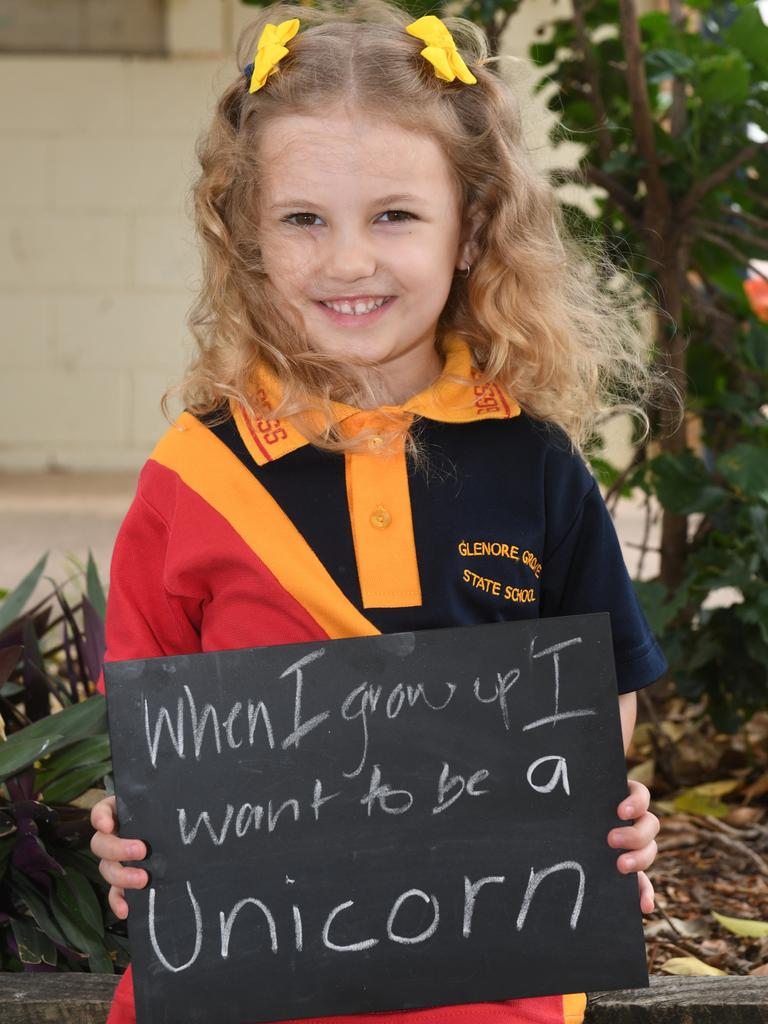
(98, 263)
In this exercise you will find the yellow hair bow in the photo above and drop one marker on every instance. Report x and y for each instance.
(441, 50)
(269, 50)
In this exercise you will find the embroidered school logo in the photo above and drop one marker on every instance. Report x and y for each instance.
(265, 432)
(490, 400)
(524, 592)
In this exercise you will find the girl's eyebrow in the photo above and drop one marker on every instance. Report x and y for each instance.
(398, 197)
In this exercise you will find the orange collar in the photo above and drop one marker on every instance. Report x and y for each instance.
(444, 401)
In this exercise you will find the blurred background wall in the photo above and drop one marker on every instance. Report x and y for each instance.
(101, 102)
(100, 105)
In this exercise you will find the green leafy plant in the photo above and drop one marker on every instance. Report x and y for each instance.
(54, 913)
(671, 108)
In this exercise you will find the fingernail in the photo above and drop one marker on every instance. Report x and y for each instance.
(628, 810)
(136, 851)
(629, 863)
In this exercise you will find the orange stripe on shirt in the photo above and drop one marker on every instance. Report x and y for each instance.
(379, 503)
(574, 1007)
(212, 471)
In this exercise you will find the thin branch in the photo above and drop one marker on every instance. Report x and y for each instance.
(750, 218)
(616, 191)
(716, 178)
(641, 111)
(583, 42)
(733, 251)
(756, 197)
(729, 229)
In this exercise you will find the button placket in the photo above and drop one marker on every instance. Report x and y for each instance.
(380, 515)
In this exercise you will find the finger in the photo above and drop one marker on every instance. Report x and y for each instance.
(633, 837)
(117, 902)
(647, 901)
(117, 848)
(637, 802)
(124, 878)
(638, 860)
(104, 815)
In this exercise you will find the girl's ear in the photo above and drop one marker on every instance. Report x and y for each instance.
(468, 248)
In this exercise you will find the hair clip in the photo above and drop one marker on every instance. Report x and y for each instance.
(270, 50)
(441, 50)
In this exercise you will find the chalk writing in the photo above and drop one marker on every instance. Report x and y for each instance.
(330, 814)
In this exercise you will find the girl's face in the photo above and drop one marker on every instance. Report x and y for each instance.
(357, 212)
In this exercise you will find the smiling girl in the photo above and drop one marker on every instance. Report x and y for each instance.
(401, 354)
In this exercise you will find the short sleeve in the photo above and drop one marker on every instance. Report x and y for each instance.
(585, 572)
(144, 620)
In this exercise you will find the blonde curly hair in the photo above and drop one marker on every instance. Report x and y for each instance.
(540, 309)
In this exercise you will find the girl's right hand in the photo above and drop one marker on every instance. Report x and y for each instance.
(108, 845)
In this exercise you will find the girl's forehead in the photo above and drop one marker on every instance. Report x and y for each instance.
(323, 148)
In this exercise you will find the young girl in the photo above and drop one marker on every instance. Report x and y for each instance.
(401, 353)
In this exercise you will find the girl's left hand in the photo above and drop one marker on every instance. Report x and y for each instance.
(638, 838)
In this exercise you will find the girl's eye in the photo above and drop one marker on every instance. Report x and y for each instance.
(290, 219)
(400, 213)
(402, 217)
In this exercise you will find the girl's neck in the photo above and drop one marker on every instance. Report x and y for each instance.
(397, 381)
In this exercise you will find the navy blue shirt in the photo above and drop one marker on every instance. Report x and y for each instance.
(508, 524)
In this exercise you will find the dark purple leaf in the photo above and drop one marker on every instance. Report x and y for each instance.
(9, 657)
(71, 670)
(36, 702)
(34, 810)
(13, 634)
(69, 614)
(32, 859)
(95, 644)
(21, 787)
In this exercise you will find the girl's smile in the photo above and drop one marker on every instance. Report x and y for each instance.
(356, 312)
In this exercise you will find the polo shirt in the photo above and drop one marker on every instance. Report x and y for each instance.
(243, 534)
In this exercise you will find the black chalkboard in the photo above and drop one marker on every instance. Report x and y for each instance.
(377, 823)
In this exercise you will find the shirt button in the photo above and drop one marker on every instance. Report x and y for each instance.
(380, 517)
(376, 443)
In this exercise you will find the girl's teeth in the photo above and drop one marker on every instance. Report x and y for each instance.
(358, 309)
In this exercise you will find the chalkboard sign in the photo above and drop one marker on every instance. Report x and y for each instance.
(378, 823)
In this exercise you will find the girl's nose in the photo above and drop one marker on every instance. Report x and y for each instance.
(349, 257)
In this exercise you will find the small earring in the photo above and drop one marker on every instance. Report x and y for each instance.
(467, 268)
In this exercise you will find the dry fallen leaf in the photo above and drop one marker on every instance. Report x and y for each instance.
(689, 965)
(643, 772)
(743, 926)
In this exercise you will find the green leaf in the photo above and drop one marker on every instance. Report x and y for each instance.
(745, 467)
(77, 929)
(13, 605)
(20, 751)
(724, 79)
(658, 611)
(749, 34)
(662, 64)
(683, 484)
(88, 904)
(36, 905)
(34, 946)
(94, 590)
(93, 750)
(75, 783)
(87, 718)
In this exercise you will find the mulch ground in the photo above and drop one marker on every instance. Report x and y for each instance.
(710, 792)
(706, 865)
